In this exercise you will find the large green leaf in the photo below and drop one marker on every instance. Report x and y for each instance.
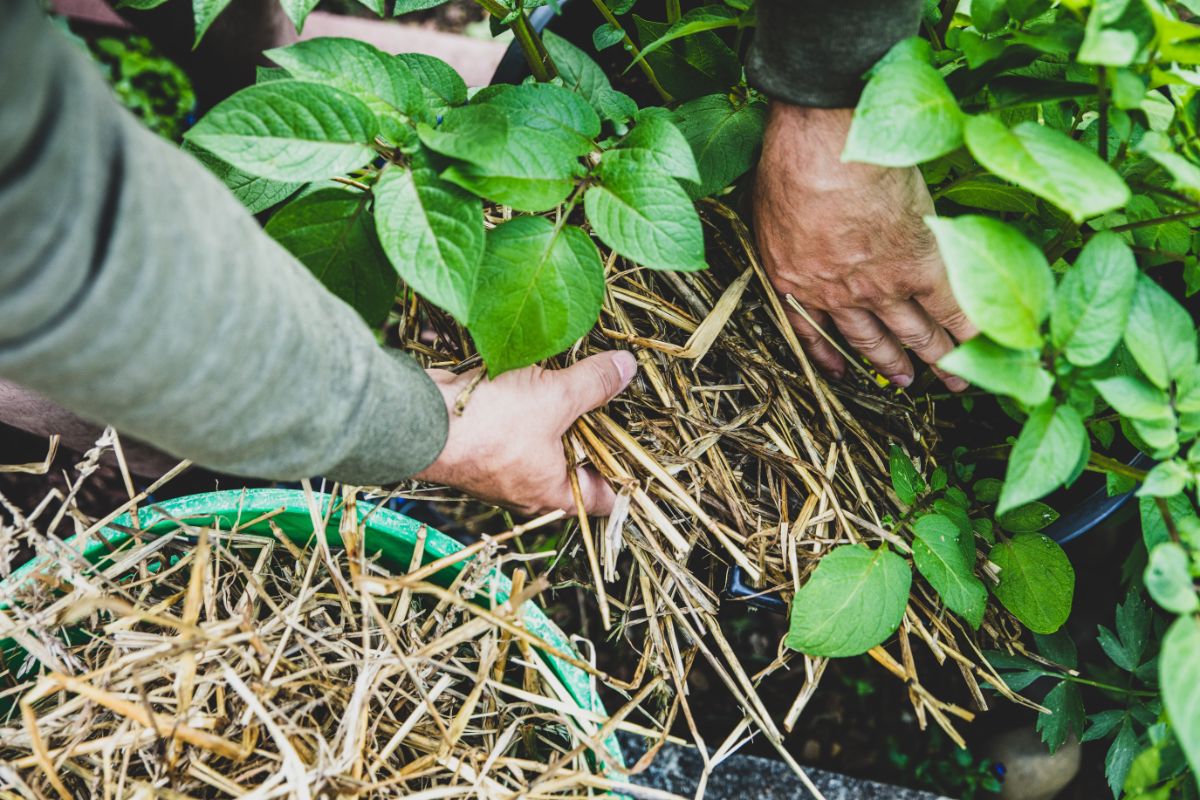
(906, 115)
(939, 556)
(257, 194)
(1048, 163)
(289, 131)
(854, 600)
(432, 231)
(544, 287)
(1092, 303)
(1134, 398)
(579, 71)
(471, 133)
(331, 232)
(656, 143)
(548, 112)
(725, 138)
(442, 86)
(645, 216)
(1179, 677)
(1160, 334)
(1037, 583)
(1002, 370)
(1000, 278)
(380, 80)
(1050, 447)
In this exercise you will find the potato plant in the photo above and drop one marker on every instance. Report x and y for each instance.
(1059, 141)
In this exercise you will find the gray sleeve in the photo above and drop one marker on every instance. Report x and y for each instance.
(136, 291)
(815, 52)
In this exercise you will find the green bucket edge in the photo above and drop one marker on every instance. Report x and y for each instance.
(388, 533)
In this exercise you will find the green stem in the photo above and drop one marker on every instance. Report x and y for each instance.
(966, 176)
(1106, 464)
(535, 54)
(1102, 90)
(672, 10)
(1149, 223)
(1108, 687)
(632, 49)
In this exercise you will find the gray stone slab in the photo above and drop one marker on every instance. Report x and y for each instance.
(742, 777)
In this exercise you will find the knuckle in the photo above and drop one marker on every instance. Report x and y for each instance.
(866, 342)
(922, 340)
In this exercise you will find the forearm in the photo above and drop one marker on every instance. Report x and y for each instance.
(815, 52)
(136, 292)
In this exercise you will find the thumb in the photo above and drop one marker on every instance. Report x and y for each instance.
(595, 380)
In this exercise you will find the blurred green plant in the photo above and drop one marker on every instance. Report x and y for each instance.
(148, 83)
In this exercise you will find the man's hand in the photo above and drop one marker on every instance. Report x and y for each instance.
(848, 241)
(506, 447)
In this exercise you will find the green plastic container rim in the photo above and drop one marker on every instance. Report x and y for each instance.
(389, 534)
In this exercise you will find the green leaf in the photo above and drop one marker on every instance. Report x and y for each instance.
(988, 16)
(1045, 455)
(408, 6)
(204, 12)
(547, 113)
(1102, 723)
(1160, 334)
(1166, 479)
(1059, 647)
(1135, 398)
(332, 234)
(697, 20)
(905, 479)
(1133, 624)
(1048, 163)
(471, 133)
(1185, 174)
(645, 216)
(257, 194)
(906, 115)
(1065, 716)
(606, 35)
(693, 66)
(1028, 518)
(725, 138)
(442, 87)
(938, 556)
(1154, 527)
(298, 10)
(1000, 278)
(657, 144)
(1037, 583)
(381, 81)
(1116, 32)
(1115, 650)
(988, 193)
(1091, 306)
(289, 131)
(987, 490)
(1179, 677)
(578, 71)
(854, 600)
(1016, 373)
(1120, 757)
(1169, 581)
(544, 287)
(432, 232)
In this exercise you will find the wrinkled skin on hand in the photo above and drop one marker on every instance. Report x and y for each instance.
(848, 242)
(506, 446)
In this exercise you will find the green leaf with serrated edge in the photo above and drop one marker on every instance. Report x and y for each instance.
(1133, 624)
(1120, 757)
(289, 131)
(544, 287)
(1166, 479)
(1037, 583)
(432, 232)
(1000, 279)
(298, 10)
(548, 112)
(1179, 679)
(1028, 518)
(441, 85)
(1065, 715)
(725, 138)
(1045, 455)
(905, 480)
(1160, 334)
(1102, 723)
(1113, 648)
(1169, 581)
(579, 72)
(1133, 397)
(646, 217)
(471, 133)
(853, 601)
(657, 144)
(938, 556)
(409, 6)
(331, 232)
(696, 20)
(1002, 370)
(381, 81)
(1091, 305)
(204, 12)
(906, 115)
(256, 194)
(989, 194)
(1048, 163)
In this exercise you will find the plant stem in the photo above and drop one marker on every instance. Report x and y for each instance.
(1102, 90)
(1149, 223)
(1106, 464)
(632, 49)
(535, 53)
(1109, 687)
(672, 10)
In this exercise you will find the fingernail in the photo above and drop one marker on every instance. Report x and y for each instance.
(903, 381)
(956, 384)
(626, 365)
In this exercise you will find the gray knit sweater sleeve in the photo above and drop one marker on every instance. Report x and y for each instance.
(814, 52)
(137, 292)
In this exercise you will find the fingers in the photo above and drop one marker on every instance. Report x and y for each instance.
(594, 381)
(941, 305)
(817, 346)
(864, 332)
(597, 496)
(917, 331)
